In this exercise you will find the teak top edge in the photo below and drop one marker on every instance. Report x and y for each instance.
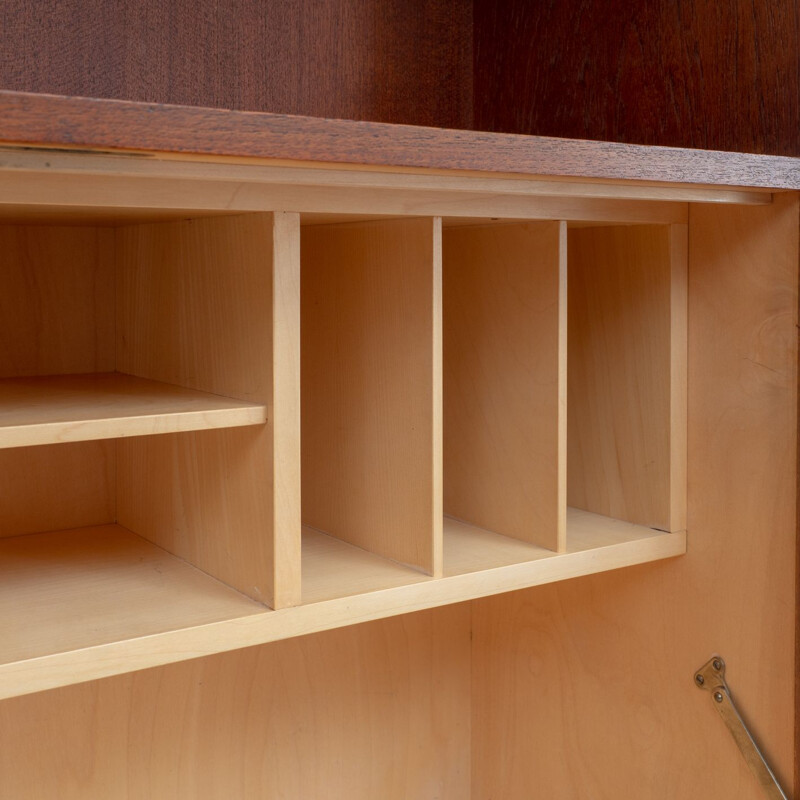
(42, 120)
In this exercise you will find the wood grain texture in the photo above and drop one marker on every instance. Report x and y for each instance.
(393, 61)
(56, 303)
(373, 711)
(76, 408)
(502, 387)
(696, 73)
(626, 438)
(80, 588)
(196, 307)
(617, 653)
(47, 120)
(77, 479)
(371, 429)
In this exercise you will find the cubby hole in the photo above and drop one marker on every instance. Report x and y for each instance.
(564, 388)
(135, 451)
(626, 401)
(503, 388)
(369, 372)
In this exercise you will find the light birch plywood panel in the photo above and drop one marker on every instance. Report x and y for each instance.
(76, 408)
(55, 487)
(584, 689)
(374, 711)
(200, 304)
(626, 373)
(57, 300)
(504, 298)
(371, 386)
(80, 588)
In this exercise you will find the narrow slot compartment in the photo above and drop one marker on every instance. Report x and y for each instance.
(627, 374)
(504, 392)
(371, 467)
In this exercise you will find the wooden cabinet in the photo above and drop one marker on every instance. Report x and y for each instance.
(262, 378)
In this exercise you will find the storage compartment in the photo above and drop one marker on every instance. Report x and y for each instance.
(626, 452)
(136, 377)
(371, 480)
(504, 391)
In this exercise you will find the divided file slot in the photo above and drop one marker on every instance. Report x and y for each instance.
(504, 381)
(627, 373)
(371, 433)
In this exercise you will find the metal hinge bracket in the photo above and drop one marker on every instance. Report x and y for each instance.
(711, 678)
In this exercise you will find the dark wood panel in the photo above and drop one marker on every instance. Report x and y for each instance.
(689, 73)
(394, 61)
(48, 120)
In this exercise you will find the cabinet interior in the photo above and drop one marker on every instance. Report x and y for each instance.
(204, 417)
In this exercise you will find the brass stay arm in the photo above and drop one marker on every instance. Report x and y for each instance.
(711, 678)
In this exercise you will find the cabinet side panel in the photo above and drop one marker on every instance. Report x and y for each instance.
(585, 689)
(501, 378)
(619, 373)
(194, 307)
(368, 340)
(372, 711)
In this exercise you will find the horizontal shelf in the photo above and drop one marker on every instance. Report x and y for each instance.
(85, 604)
(73, 590)
(79, 408)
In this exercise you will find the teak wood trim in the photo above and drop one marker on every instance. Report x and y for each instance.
(77, 122)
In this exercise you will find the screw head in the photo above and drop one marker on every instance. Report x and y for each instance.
(718, 697)
(717, 664)
(699, 680)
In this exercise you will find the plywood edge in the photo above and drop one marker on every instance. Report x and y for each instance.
(679, 353)
(563, 350)
(437, 470)
(63, 669)
(286, 410)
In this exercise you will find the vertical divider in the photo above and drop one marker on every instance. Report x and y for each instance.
(285, 409)
(437, 523)
(213, 304)
(679, 355)
(563, 350)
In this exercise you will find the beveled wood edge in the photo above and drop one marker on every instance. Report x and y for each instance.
(55, 121)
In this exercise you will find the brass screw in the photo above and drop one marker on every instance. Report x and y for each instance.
(699, 680)
(718, 697)
(717, 664)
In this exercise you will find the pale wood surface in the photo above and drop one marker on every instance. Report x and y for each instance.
(75, 589)
(57, 300)
(502, 391)
(372, 711)
(370, 297)
(194, 307)
(285, 405)
(75, 408)
(332, 568)
(626, 296)
(57, 486)
(621, 714)
(347, 585)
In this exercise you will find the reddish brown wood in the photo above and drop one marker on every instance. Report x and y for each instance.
(689, 73)
(47, 120)
(394, 60)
